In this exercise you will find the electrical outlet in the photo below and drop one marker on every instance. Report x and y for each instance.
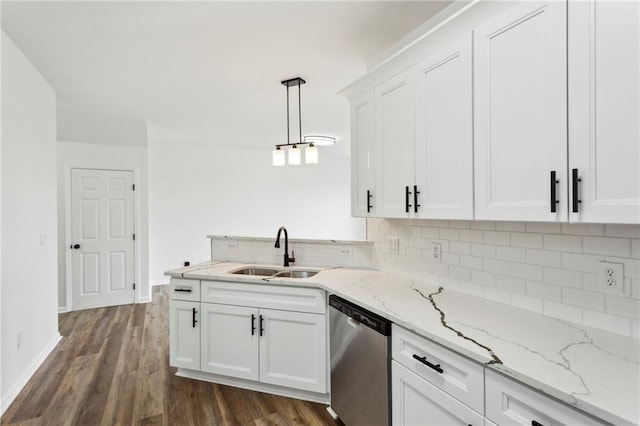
(436, 252)
(393, 244)
(232, 245)
(345, 251)
(611, 278)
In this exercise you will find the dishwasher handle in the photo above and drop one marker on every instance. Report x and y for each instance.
(353, 323)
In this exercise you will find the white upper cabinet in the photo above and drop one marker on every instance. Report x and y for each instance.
(604, 110)
(444, 133)
(362, 140)
(521, 114)
(394, 145)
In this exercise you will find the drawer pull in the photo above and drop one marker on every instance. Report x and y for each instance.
(184, 290)
(534, 423)
(423, 359)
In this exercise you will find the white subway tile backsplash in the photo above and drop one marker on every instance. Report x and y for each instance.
(524, 239)
(607, 246)
(607, 322)
(512, 254)
(563, 312)
(471, 262)
(623, 306)
(541, 267)
(497, 266)
(583, 299)
(526, 271)
(510, 226)
(563, 277)
(513, 284)
(544, 227)
(594, 229)
(483, 250)
(497, 237)
(544, 257)
(622, 231)
(544, 290)
(568, 243)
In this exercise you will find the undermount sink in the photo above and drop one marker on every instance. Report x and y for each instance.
(274, 273)
(296, 274)
(263, 272)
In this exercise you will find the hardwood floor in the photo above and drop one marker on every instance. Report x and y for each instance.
(112, 368)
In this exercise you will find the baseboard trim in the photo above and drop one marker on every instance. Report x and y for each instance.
(63, 310)
(15, 390)
(145, 300)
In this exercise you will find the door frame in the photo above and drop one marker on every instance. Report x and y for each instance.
(67, 237)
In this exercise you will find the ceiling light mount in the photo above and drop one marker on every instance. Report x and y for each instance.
(311, 151)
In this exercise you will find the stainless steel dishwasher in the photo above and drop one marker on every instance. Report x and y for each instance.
(360, 373)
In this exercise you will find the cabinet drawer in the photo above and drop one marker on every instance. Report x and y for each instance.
(460, 377)
(181, 289)
(417, 402)
(265, 296)
(511, 403)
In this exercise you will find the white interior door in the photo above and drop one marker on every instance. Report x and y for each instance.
(102, 238)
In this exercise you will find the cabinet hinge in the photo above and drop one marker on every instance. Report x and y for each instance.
(134, 286)
(133, 187)
(134, 237)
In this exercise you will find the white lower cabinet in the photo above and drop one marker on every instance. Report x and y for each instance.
(184, 334)
(510, 403)
(416, 402)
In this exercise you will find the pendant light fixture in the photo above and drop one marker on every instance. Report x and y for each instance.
(294, 154)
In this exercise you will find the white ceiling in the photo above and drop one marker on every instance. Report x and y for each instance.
(209, 70)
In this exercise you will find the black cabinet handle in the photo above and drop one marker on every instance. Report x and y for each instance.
(183, 290)
(253, 324)
(194, 312)
(407, 193)
(575, 179)
(415, 198)
(423, 359)
(75, 246)
(534, 423)
(369, 196)
(554, 197)
(261, 325)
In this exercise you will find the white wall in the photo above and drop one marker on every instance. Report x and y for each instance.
(29, 251)
(196, 190)
(88, 155)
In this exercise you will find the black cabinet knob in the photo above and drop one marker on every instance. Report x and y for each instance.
(75, 246)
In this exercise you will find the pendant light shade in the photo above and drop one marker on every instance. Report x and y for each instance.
(278, 157)
(311, 154)
(294, 156)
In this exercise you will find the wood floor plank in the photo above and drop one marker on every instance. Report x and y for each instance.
(112, 368)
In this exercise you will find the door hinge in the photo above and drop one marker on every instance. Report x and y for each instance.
(134, 286)
(134, 237)
(133, 187)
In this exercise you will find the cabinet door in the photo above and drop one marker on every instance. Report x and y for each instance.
(394, 146)
(230, 337)
(416, 402)
(604, 106)
(520, 86)
(362, 140)
(293, 350)
(184, 334)
(444, 134)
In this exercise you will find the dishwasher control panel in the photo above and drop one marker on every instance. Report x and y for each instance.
(361, 315)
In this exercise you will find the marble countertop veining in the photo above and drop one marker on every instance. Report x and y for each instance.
(593, 370)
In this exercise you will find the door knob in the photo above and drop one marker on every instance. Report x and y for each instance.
(75, 246)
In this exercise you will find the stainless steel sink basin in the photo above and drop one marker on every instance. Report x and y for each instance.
(295, 274)
(251, 270)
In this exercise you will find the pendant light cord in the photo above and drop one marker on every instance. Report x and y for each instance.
(300, 111)
(288, 139)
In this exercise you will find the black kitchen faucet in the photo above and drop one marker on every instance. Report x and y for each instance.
(287, 259)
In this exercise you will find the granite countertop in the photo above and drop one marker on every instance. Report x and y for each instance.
(593, 370)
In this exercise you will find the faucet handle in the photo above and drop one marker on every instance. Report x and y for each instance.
(292, 258)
